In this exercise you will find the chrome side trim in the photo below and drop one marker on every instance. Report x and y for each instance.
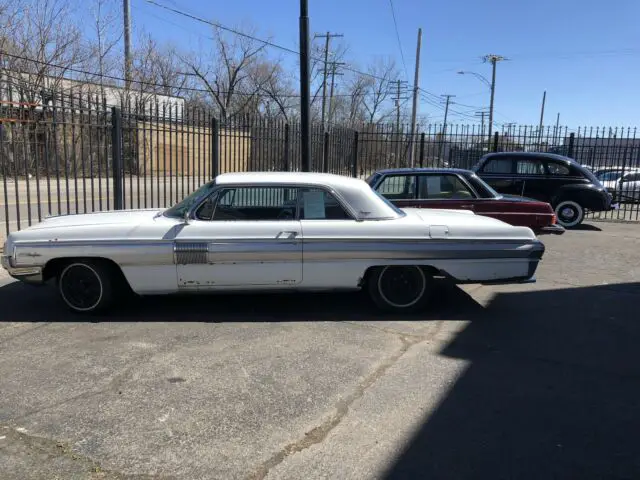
(190, 253)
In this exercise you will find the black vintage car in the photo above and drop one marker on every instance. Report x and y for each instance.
(570, 188)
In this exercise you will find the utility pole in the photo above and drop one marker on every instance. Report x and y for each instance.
(556, 131)
(494, 59)
(398, 95)
(305, 126)
(334, 65)
(446, 112)
(444, 125)
(414, 109)
(507, 127)
(127, 44)
(481, 114)
(544, 99)
(327, 40)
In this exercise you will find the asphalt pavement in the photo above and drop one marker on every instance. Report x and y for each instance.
(529, 381)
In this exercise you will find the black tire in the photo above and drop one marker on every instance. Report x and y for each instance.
(86, 286)
(569, 213)
(400, 288)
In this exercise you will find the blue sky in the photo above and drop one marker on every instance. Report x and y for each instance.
(586, 55)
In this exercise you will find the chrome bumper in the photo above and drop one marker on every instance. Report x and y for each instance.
(32, 275)
(555, 229)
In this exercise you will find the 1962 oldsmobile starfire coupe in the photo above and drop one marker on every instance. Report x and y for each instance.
(271, 231)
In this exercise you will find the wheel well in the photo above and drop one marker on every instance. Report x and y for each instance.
(53, 267)
(428, 269)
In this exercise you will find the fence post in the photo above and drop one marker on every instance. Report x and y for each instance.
(116, 154)
(325, 153)
(215, 147)
(572, 138)
(421, 149)
(496, 139)
(287, 167)
(354, 163)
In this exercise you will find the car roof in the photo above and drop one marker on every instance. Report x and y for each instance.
(357, 193)
(423, 170)
(308, 178)
(551, 156)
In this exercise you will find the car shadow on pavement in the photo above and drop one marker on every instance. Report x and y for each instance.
(551, 390)
(587, 227)
(25, 303)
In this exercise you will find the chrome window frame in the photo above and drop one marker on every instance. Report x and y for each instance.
(332, 191)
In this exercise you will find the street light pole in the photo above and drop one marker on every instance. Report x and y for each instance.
(494, 59)
(305, 94)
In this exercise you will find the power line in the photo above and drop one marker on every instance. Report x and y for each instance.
(261, 40)
(395, 24)
(121, 79)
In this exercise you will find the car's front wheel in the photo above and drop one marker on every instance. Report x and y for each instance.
(86, 286)
(400, 288)
(569, 213)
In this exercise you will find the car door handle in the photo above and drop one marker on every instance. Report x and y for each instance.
(287, 235)
(466, 207)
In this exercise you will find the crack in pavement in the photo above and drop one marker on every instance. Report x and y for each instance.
(114, 385)
(319, 433)
(15, 442)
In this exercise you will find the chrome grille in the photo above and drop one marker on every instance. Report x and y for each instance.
(190, 253)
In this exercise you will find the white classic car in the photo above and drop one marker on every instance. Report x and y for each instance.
(271, 231)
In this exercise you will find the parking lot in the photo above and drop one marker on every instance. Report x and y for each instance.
(528, 381)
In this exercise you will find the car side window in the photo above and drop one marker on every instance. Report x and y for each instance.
(632, 177)
(443, 187)
(317, 204)
(398, 187)
(498, 165)
(526, 166)
(557, 168)
(255, 203)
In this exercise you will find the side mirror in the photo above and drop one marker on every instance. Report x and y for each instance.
(186, 217)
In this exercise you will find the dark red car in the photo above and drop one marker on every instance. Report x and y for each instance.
(457, 189)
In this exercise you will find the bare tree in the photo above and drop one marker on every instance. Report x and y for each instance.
(107, 36)
(44, 45)
(380, 75)
(226, 72)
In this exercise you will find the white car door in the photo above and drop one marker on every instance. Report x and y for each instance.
(243, 237)
(328, 231)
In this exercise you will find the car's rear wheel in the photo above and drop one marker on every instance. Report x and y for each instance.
(86, 286)
(400, 288)
(569, 213)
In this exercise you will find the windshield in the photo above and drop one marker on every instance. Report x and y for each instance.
(182, 207)
(479, 183)
(608, 176)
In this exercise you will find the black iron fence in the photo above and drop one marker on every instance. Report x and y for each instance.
(82, 155)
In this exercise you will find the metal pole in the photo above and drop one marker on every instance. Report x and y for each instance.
(127, 43)
(215, 148)
(324, 79)
(305, 124)
(414, 110)
(544, 99)
(556, 132)
(493, 91)
(116, 152)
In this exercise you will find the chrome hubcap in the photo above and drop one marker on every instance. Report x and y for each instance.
(568, 213)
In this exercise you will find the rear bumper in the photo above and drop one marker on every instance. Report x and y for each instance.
(553, 229)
